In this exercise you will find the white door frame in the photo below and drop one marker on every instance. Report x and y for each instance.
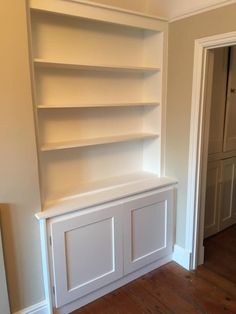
(197, 147)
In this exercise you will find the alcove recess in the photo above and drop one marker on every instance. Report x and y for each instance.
(99, 80)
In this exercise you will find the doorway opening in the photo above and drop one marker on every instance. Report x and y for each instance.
(199, 136)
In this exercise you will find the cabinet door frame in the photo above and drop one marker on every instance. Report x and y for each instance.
(167, 196)
(58, 228)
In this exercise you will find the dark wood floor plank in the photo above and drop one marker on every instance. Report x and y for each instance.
(171, 289)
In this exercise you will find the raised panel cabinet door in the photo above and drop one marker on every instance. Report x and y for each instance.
(86, 252)
(211, 222)
(147, 229)
(230, 125)
(227, 198)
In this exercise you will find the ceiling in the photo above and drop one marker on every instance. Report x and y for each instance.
(170, 9)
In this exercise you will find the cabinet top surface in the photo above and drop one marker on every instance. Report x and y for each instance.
(106, 192)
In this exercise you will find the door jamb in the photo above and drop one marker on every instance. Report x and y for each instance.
(196, 167)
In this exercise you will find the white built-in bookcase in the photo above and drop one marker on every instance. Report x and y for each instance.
(99, 95)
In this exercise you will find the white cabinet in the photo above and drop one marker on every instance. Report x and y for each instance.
(227, 194)
(86, 252)
(220, 204)
(147, 230)
(211, 203)
(103, 245)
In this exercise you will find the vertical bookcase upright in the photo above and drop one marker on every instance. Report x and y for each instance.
(99, 78)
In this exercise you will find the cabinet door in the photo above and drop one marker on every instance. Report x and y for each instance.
(86, 252)
(227, 194)
(212, 201)
(147, 229)
(230, 125)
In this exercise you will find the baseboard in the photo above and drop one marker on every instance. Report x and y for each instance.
(39, 308)
(182, 257)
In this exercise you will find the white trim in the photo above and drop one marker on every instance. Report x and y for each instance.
(182, 257)
(45, 264)
(201, 10)
(39, 308)
(194, 223)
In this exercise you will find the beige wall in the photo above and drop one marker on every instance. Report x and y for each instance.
(19, 194)
(182, 34)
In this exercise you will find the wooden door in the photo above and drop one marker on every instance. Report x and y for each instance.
(147, 229)
(227, 195)
(211, 222)
(218, 100)
(86, 251)
(230, 125)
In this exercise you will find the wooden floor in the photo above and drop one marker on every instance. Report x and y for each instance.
(171, 289)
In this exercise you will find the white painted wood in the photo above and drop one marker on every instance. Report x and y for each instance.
(227, 196)
(111, 287)
(104, 191)
(230, 125)
(38, 308)
(97, 141)
(4, 301)
(80, 272)
(193, 231)
(87, 252)
(91, 67)
(211, 225)
(147, 230)
(129, 104)
(87, 9)
(218, 102)
(182, 257)
(57, 87)
(45, 249)
(80, 62)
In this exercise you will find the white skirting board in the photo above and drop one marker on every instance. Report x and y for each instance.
(39, 308)
(182, 257)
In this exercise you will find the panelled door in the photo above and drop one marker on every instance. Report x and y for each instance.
(147, 229)
(86, 252)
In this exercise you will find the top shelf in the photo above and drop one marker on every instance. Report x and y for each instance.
(98, 12)
(88, 67)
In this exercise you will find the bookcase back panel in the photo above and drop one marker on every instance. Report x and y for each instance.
(58, 125)
(57, 87)
(67, 172)
(86, 41)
